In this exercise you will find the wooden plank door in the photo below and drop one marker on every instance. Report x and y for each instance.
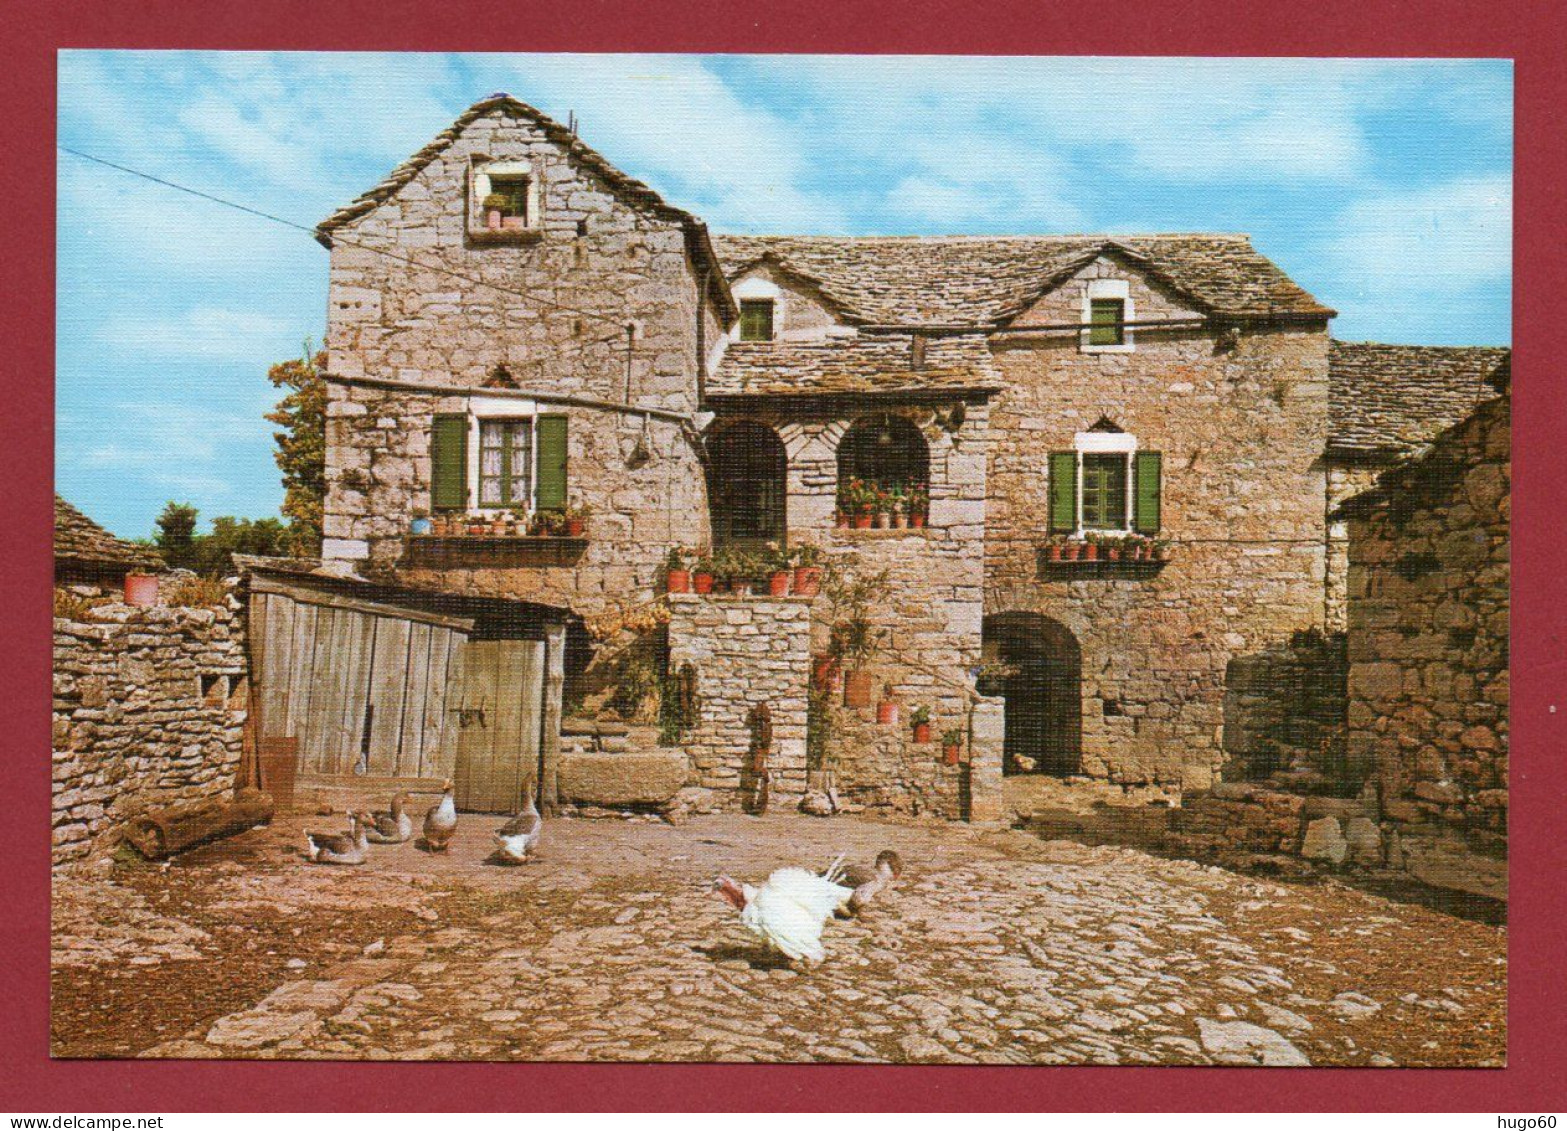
(498, 717)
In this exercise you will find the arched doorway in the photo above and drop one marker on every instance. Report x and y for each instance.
(1043, 692)
(748, 472)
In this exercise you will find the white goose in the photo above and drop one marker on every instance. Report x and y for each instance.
(789, 911)
(440, 820)
(518, 837)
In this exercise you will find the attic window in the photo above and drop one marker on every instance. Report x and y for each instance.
(756, 320)
(1107, 322)
(505, 200)
(1107, 311)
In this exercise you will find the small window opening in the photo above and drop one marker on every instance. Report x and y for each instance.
(1107, 322)
(582, 228)
(508, 194)
(214, 688)
(756, 320)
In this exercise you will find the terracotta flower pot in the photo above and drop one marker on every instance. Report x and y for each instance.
(807, 581)
(857, 689)
(1070, 552)
(862, 520)
(900, 521)
(950, 754)
(141, 589)
(824, 672)
(917, 520)
(512, 223)
(1090, 552)
(492, 219)
(702, 582)
(1053, 553)
(883, 520)
(679, 581)
(921, 733)
(1114, 553)
(887, 712)
(778, 583)
(575, 527)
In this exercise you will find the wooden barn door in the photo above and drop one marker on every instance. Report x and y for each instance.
(498, 718)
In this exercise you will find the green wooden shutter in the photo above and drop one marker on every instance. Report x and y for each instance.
(1146, 475)
(552, 463)
(1063, 491)
(449, 462)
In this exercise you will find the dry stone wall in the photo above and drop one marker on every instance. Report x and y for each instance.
(1241, 422)
(747, 651)
(1428, 651)
(149, 711)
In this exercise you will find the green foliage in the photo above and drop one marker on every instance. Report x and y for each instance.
(195, 592)
(301, 447)
(212, 555)
(677, 704)
(176, 533)
(953, 737)
(920, 714)
(819, 729)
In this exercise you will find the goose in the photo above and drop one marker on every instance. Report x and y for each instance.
(338, 848)
(789, 911)
(392, 827)
(518, 837)
(440, 820)
(867, 883)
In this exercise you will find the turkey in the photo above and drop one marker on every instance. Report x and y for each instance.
(789, 911)
(518, 837)
(867, 883)
(391, 827)
(338, 848)
(440, 820)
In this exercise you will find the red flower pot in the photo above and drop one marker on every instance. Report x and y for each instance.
(141, 589)
(680, 581)
(900, 521)
(917, 520)
(862, 519)
(857, 689)
(921, 733)
(950, 754)
(1090, 552)
(702, 582)
(883, 520)
(807, 581)
(1114, 552)
(824, 672)
(575, 527)
(778, 583)
(1054, 553)
(887, 712)
(1070, 552)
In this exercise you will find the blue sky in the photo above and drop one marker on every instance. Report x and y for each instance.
(1382, 186)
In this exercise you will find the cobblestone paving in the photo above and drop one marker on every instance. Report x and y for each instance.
(996, 948)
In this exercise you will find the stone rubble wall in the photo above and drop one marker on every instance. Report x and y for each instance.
(747, 651)
(1241, 426)
(1428, 652)
(149, 711)
(1345, 481)
(1284, 718)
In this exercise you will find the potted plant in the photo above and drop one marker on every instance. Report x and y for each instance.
(919, 718)
(919, 506)
(991, 676)
(1161, 550)
(476, 524)
(951, 746)
(677, 578)
(420, 523)
(1055, 548)
(702, 575)
(825, 670)
(863, 499)
(495, 206)
(881, 508)
(1090, 547)
(780, 571)
(853, 642)
(807, 571)
(574, 520)
(1071, 548)
(887, 709)
(900, 508)
(1113, 548)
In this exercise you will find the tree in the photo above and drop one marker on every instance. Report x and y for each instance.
(176, 533)
(301, 454)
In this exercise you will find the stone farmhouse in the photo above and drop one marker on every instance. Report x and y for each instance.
(1098, 471)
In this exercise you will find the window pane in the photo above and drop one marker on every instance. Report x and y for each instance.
(1108, 316)
(515, 190)
(1104, 492)
(756, 320)
(521, 482)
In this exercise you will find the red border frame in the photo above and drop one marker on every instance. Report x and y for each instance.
(1529, 33)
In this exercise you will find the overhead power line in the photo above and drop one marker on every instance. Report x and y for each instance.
(620, 324)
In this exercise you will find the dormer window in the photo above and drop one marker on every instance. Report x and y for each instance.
(756, 320)
(1107, 312)
(505, 200)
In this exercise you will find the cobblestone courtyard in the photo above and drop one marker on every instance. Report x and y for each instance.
(997, 947)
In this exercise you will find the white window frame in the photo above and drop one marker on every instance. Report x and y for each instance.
(481, 409)
(1105, 443)
(479, 188)
(759, 290)
(1108, 288)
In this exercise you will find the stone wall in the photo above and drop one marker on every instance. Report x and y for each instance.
(1241, 422)
(591, 253)
(747, 651)
(149, 709)
(1428, 647)
(1284, 718)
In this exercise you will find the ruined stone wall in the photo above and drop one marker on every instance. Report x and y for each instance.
(149, 709)
(747, 651)
(1344, 482)
(1428, 648)
(529, 310)
(1241, 424)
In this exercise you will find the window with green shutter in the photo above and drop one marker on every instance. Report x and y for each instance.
(1107, 322)
(506, 462)
(756, 320)
(1104, 491)
(551, 494)
(449, 462)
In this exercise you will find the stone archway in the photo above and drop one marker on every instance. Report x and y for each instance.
(1043, 694)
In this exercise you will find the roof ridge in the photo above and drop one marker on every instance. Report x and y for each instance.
(976, 237)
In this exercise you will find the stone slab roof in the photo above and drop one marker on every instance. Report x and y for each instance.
(81, 541)
(865, 363)
(1390, 400)
(984, 281)
(628, 188)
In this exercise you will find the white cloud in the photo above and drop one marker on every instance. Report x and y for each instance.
(203, 334)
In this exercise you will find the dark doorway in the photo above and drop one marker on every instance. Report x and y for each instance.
(1043, 692)
(747, 483)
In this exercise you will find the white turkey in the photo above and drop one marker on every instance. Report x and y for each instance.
(518, 837)
(789, 911)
